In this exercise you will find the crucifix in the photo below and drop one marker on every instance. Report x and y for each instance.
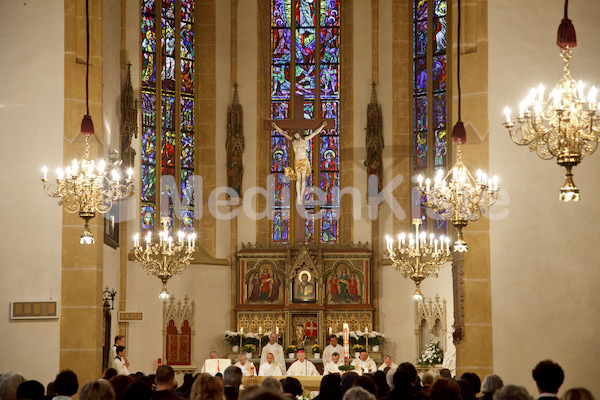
(297, 126)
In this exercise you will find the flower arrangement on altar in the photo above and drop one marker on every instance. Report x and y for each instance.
(358, 347)
(249, 347)
(359, 337)
(375, 338)
(346, 368)
(291, 349)
(233, 338)
(431, 354)
(316, 348)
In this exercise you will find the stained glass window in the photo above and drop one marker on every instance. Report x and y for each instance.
(167, 30)
(430, 144)
(305, 56)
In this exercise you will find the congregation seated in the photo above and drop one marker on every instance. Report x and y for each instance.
(547, 375)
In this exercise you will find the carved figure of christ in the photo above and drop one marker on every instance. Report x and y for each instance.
(297, 126)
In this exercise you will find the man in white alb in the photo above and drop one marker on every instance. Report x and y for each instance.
(332, 347)
(274, 348)
(387, 362)
(119, 362)
(270, 367)
(364, 364)
(333, 367)
(302, 366)
(119, 341)
(244, 365)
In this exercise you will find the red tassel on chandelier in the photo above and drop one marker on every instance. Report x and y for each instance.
(566, 36)
(459, 135)
(87, 126)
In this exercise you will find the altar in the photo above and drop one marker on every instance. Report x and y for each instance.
(303, 292)
(309, 383)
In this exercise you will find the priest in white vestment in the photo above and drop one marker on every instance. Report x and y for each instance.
(270, 367)
(245, 365)
(333, 367)
(364, 364)
(274, 348)
(387, 362)
(332, 347)
(302, 366)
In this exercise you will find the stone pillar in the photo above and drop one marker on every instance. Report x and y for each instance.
(81, 282)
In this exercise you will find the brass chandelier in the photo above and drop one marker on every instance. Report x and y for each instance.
(563, 125)
(458, 196)
(418, 256)
(83, 187)
(164, 257)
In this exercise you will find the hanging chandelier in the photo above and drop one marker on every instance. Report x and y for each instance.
(164, 257)
(418, 256)
(457, 196)
(563, 125)
(83, 187)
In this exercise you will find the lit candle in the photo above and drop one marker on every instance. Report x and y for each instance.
(330, 330)
(389, 242)
(242, 330)
(129, 173)
(101, 165)
(260, 330)
(366, 329)
(448, 245)
(136, 240)
(277, 330)
(60, 174)
(75, 166)
(148, 237)
(115, 175)
(346, 342)
(592, 98)
(420, 180)
(402, 238)
(427, 183)
(435, 244)
(507, 113)
(580, 90)
(181, 234)
(495, 182)
(431, 239)
(541, 92)
(522, 109)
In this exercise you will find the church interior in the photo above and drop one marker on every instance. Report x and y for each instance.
(383, 82)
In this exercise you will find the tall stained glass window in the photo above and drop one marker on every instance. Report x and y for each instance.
(167, 111)
(430, 144)
(305, 62)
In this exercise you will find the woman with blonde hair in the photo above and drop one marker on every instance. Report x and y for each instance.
(577, 394)
(207, 387)
(97, 390)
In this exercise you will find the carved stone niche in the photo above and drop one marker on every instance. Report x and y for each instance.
(179, 334)
(430, 322)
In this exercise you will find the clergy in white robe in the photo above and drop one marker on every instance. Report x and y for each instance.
(332, 347)
(245, 366)
(112, 354)
(387, 362)
(302, 366)
(333, 367)
(364, 364)
(274, 348)
(270, 367)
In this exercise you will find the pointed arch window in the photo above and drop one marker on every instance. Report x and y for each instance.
(430, 145)
(168, 98)
(305, 61)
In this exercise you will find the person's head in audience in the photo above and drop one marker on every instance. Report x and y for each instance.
(358, 393)
(466, 390)
(242, 359)
(232, 376)
(364, 355)
(331, 387)
(333, 340)
(270, 358)
(548, 376)
(120, 340)
(66, 383)
(214, 355)
(138, 390)
(445, 373)
(512, 392)
(348, 380)
(381, 383)
(301, 355)
(272, 338)
(30, 390)
(291, 386)
(219, 377)
(260, 393)
(271, 383)
(366, 382)
(427, 381)
(491, 383)
(387, 360)
(109, 373)
(577, 394)
(206, 387)
(474, 380)
(97, 390)
(410, 370)
(165, 378)
(335, 357)
(444, 389)
(9, 383)
(402, 383)
(119, 383)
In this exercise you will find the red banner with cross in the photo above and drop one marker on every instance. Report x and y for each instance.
(311, 329)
